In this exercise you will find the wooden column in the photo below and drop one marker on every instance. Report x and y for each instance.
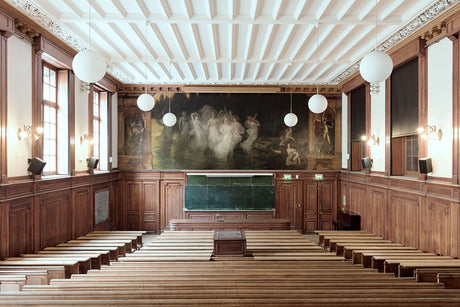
(6, 30)
(37, 94)
(453, 33)
(73, 138)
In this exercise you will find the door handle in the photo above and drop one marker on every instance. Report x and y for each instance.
(299, 205)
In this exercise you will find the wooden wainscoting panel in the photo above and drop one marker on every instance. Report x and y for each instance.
(436, 228)
(405, 218)
(358, 201)
(82, 212)
(20, 227)
(4, 230)
(286, 199)
(150, 206)
(310, 201)
(327, 204)
(55, 217)
(171, 201)
(133, 200)
(377, 217)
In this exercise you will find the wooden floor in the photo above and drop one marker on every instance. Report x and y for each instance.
(285, 269)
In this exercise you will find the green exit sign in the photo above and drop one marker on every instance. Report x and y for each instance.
(319, 176)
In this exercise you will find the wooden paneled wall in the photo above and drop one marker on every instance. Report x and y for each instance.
(153, 198)
(423, 214)
(37, 214)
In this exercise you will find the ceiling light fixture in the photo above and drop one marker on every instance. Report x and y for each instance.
(145, 101)
(317, 103)
(89, 65)
(290, 119)
(376, 66)
(169, 119)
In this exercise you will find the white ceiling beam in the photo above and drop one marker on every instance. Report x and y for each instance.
(125, 39)
(307, 72)
(249, 46)
(125, 71)
(211, 9)
(140, 71)
(269, 73)
(255, 10)
(231, 71)
(179, 71)
(322, 9)
(192, 71)
(256, 71)
(159, 38)
(166, 70)
(181, 44)
(352, 42)
(109, 41)
(299, 8)
(277, 6)
(120, 7)
(215, 41)
(204, 19)
(219, 71)
(370, 5)
(284, 41)
(224, 61)
(234, 9)
(339, 40)
(165, 9)
(143, 8)
(283, 71)
(316, 45)
(244, 71)
(96, 8)
(301, 42)
(345, 9)
(199, 46)
(152, 71)
(188, 9)
(205, 71)
(267, 41)
(390, 9)
(75, 8)
(319, 71)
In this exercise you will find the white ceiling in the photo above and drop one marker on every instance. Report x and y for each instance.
(228, 41)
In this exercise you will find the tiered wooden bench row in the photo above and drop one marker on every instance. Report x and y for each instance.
(75, 257)
(374, 252)
(234, 283)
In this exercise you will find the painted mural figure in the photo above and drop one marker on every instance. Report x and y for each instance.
(184, 129)
(213, 130)
(252, 129)
(237, 131)
(293, 156)
(134, 135)
(222, 149)
(198, 133)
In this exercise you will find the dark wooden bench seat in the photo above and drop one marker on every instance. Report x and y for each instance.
(364, 256)
(69, 267)
(134, 242)
(346, 249)
(450, 280)
(406, 268)
(127, 244)
(113, 250)
(378, 262)
(95, 259)
(430, 274)
(371, 240)
(138, 234)
(121, 248)
(103, 255)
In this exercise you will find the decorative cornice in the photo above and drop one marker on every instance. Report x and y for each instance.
(407, 30)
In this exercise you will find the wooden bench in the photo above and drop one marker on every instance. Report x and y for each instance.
(127, 244)
(364, 256)
(72, 265)
(407, 268)
(327, 238)
(118, 232)
(113, 250)
(378, 262)
(53, 271)
(12, 283)
(346, 249)
(134, 242)
(95, 259)
(39, 277)
(430, 274)
(103, 255)
(69, 267)
(372, 240)
(450, 280)
(121, 249)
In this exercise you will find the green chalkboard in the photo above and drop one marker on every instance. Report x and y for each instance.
(229, 193)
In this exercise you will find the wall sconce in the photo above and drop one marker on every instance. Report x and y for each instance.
(371, 141)
(85, 139)
(28, 134)
(430, 132)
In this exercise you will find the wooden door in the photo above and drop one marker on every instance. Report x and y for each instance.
(311, 205)
(171, 201)
(288, 205)
(327, 203)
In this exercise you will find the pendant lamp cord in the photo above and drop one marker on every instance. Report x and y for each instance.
(317, 44)
(89, 23)
(376, 25)
(146, 53)
(291, 86)
(169, 94)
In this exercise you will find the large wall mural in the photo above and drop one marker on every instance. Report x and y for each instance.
(233, 131)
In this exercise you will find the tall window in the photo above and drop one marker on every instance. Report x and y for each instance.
(50, 110)
(96, 125)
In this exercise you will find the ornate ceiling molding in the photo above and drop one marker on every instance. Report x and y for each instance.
(407, 30)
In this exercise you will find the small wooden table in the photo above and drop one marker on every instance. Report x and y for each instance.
(229, 242)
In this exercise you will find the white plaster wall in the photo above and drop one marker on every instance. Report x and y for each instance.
(63, 123)
(104, 133)
(81, 127)
(19, 54)
(115, 130)
(440, 106)
(344, 131)
(378, 128)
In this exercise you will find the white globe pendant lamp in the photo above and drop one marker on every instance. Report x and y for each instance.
(290, 119)
(317, 103)
(89, 65)
(376, 67)
(145, 102)
(169, 119)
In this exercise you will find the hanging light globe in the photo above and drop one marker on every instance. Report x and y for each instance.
(145, 102)
(169, 119)
(290, 119)
(376, 67)
(89, 66)
(317, 103)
